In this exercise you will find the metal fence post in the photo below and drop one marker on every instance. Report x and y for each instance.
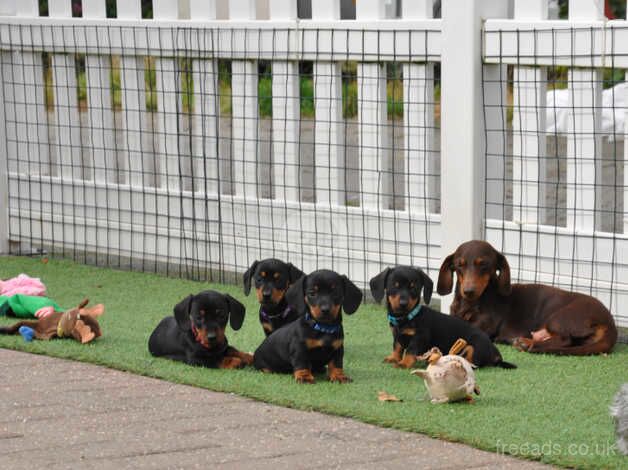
(463, 138)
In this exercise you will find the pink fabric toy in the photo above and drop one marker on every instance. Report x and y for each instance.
(22, 284)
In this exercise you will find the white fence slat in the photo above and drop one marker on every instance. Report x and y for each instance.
(203, 9)
(134, 122)
(167, 86)
(60, 8)
(286, 114)
(494, 99)
(67, 127)
(375, 158)
(283, 9)
(167, 123)
(27, 8)
(529, 174)
(244, 122)
(94, 8)
(583, 146)
(326, 9)
(204, 126)
(129, 9)
(244, 107)
(5, 115)
(31, 124)
(586, 10)
(99, 102)
(626, 162)
(206, 109)
(375, 155)
(418, 108)
(329, 157)
(529, 185)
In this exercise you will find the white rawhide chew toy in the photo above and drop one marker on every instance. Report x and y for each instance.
(448, 378)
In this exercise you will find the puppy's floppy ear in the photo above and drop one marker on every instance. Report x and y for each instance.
(503, 279)
(378, 284)
(352, 297)
(294, 273)
(247, 277)
(446, 276)
(182, 312)
(295, 295)
(428, 286)
(236, 312)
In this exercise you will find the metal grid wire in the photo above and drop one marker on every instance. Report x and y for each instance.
(194, 152)
(561, 183)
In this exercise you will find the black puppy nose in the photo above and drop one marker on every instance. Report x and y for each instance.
(469, 291)
(403, 302)
(325, 309)
(211, 334)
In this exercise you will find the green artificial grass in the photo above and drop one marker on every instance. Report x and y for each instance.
(553, 409)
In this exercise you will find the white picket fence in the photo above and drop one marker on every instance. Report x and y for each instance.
(194, 188)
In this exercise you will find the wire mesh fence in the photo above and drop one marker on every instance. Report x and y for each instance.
(562, 176)
(194, 151)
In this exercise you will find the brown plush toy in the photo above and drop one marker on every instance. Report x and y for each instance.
(79, 323)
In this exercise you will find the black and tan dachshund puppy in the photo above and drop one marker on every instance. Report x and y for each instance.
(316, 339)
(271, 278)
(417, 328)
(196, 333)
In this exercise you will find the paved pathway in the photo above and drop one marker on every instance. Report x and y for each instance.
(63, 414)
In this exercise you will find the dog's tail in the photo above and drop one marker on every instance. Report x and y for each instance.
(505, 365)
(14, 329)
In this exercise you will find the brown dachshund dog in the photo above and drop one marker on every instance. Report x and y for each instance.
(531, 317)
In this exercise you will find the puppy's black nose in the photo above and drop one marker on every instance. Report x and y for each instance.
(469, 291)
(266, 294)
(211, 335)
(325, 309)
(403, 302)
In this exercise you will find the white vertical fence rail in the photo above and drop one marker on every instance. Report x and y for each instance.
(162, 200)
(167, 88)
(584, 139)
(529, 143)
(375, 154)
(418, 92)
(205, 115)
(64, 85)
(99, 99)
(244, 108)
(329, 138)
(286, 111)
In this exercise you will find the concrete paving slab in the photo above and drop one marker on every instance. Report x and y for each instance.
(96, 417)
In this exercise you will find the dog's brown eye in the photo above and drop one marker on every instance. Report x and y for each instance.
(277, 276)
(412, 285)
(263, 274)
(397, 285)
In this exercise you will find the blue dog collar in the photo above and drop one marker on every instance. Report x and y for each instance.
(394, 321)
(327, 329)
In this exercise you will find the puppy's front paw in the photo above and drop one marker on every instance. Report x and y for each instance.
(304, 376)
(247, 359)
(337, 375)
(231, 362)
(407, 362)
(523, 344)
(392, 359)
